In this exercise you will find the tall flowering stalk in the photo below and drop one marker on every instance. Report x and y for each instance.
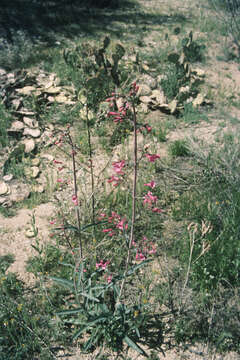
(75, 196)
(133, 94)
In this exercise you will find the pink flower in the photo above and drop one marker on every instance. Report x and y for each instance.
(102, 265)
(102, 215)
(140, 256)
(152, 184)
(153, 250)
(113, 178)
(157, 210)
(107, 230)
(149, 128)
(57, 162)
(75, 200)
(60, 180)
(118, 165)
(52, 222)
(152, 157)
(113, 113)
(109, 279)
(121, 225)
(149, 198)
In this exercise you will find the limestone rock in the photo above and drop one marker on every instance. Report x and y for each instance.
(31, 123)
(36, 162)
(27, 90)
(29, 145)
(159, 96)
(149, 81)
(144, 90)
(2, 200)
(8, 177)
(3, 72)
(48, 157)
(35, 133)
(17, 126)
(29, 233)
(4, 188)
(38, 188)
(31, 172)
(35, 172)
(145, 99)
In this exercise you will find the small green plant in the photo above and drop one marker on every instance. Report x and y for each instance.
(4, 125)
(179, 148)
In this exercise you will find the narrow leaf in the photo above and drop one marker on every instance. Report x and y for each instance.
(66, 283)
(133, 345)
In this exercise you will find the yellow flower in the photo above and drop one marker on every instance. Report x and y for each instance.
(19, 308)
(136, 312)
(145, 301)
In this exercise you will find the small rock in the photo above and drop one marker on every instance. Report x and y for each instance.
(24, 112)
(53, 90)
(51, 99)
(2, 200)
(2, 72)
(16, 103)
(159, 96)
(38, 188)
(17, 126)
(29, 145)
(149, 81)
(4, 188)
(145, 99)
(35, 162)
(144, 90)
(47, 157)
(35, 133)
(7, 203)
(30, 233)
(50, 127)
(8, 177)
(35, 172)
(11, 78)
(27, 90)
(32, 123)
(31, 172)
(143, 108)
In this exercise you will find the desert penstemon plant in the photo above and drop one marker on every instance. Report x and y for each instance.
(100, 308)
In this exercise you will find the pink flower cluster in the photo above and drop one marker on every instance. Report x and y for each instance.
(144, 249)
(121, 113)
(152, 157)
(134, 89)
(102, 265)
(150, 200)
(117, 167)
(116, 220)
(75, 200)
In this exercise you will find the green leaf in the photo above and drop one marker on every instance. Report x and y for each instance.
(69, 312)
(66, 283)
(67, 227)
(89, 297)
(134, 346)
(93, 224)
